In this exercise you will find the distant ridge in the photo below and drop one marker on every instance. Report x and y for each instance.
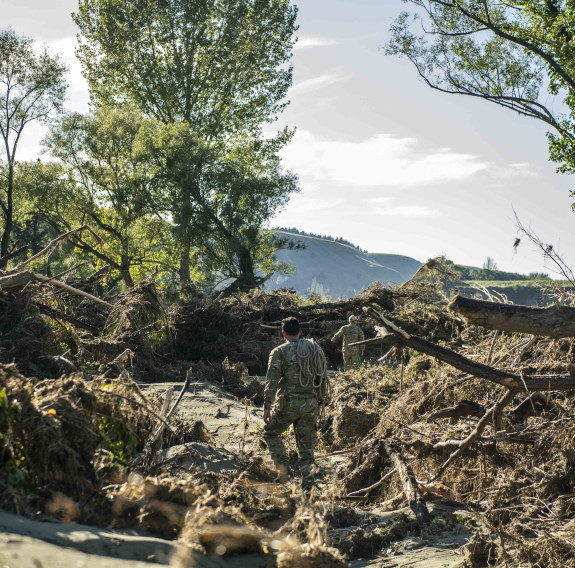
(334, 269)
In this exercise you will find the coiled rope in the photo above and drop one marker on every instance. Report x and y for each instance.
(313, 369)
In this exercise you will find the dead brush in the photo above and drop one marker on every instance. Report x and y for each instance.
(214, 528)
(157, 504)
(521, 472)
(137, 313)
(307, 526)
(68, 435)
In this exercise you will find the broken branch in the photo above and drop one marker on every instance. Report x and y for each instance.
(54, 242)
(503, 378)
(409, 484)
(461, 445)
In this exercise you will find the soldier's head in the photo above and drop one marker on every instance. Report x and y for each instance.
(291, 328)
(352, 318)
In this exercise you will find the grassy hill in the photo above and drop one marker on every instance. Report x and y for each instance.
(337, 270)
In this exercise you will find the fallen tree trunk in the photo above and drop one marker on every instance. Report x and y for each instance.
(408, 482)
(510, 380)
(20, 279)
(16, 281)
(553, 322)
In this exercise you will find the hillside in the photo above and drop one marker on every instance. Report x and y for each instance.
(337, 270)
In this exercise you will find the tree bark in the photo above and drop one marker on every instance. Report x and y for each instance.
(409, 484)
(184, 270)
(4, 260)
(125, 263)
(16, 281)
(547, 322)
(8, 217)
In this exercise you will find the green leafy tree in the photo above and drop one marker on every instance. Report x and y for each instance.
(36, 181)
(32, 86)
(219, 65)
(223, 199)
(519, 54)
(109, 183)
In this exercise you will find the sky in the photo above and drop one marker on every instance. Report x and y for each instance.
(383, 160)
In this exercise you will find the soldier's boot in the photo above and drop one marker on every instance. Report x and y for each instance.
(307, 476)
(283, 473)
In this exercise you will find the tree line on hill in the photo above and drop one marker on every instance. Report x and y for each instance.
(170, 168)
(318, 236)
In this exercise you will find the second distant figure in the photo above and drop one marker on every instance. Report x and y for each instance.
(351, 333)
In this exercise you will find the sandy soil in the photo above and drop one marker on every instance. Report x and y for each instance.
(31, 543)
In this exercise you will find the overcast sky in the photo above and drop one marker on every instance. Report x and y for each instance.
(383, 160)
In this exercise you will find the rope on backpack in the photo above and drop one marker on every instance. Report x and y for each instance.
(313, 369)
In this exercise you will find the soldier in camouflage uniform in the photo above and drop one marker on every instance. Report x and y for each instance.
(292, 386)
(351, 333)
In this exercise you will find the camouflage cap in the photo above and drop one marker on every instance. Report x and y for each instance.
(352, 318)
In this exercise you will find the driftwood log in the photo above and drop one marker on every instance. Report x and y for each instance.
(512, 381)
(553, 322)
(18, 280)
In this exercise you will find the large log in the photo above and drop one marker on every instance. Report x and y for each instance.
(547, 322)
(529, 383)
(16, 281)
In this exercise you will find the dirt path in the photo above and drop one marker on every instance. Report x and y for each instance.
(228, 420)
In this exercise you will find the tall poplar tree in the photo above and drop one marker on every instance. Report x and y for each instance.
(220, 66)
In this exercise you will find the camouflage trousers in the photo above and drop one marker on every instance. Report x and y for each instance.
(351, 358)
(301, 411)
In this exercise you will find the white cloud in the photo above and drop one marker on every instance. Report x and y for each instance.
(386, 206)
(314, 41)
(302, 204)
(380, 161)
(316, 83)
(407, 211)
(523, 168)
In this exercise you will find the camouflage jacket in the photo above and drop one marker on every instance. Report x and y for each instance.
(351, 333)
(283, 374)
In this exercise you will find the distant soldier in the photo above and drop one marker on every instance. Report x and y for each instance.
(351, 333)
(296, 381)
